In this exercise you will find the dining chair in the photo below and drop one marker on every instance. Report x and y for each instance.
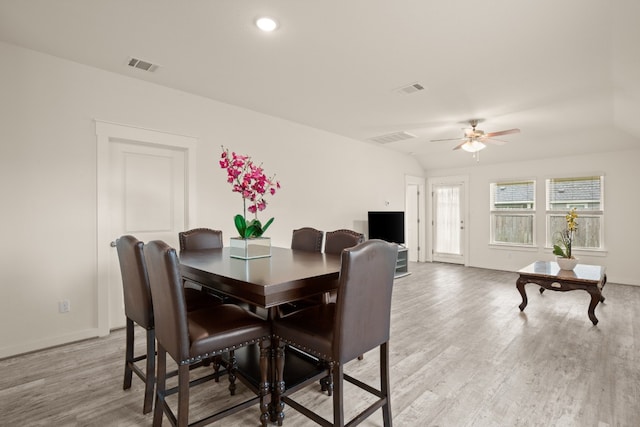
(191, 336)
(335, 242)
(338, 240)
(207, 238)
(307, 239)
(198, 239)
(138, 310)
(338, 333)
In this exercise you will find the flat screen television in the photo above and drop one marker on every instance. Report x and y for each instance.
(387, 225)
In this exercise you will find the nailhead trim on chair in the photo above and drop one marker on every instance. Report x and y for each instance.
(224, 350)
(308, 350)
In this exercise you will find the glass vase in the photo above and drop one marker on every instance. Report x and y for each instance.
(255, 247)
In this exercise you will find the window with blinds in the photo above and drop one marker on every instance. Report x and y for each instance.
(585, 194)
(512, 212)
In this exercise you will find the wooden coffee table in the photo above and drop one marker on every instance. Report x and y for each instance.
(547, 275)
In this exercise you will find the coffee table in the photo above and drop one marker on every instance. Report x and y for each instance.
(547, 275)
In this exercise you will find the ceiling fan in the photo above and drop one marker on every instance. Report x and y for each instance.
(474, 139)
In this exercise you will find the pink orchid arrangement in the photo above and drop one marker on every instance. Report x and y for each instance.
(252, 183)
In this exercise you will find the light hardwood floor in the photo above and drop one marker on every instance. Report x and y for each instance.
(462, 354)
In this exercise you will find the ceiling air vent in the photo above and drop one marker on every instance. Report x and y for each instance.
(392, 137)
(142, 65)
(409, 89)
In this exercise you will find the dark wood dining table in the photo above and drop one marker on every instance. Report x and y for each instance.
(284, 277)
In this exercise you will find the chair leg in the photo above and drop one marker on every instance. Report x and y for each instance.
(128, 356)
(160, 386)
(338, 394)
(326, 383)
(385, 388)
(150, 371)
(183, 395)
(329, 380)
(231, 368)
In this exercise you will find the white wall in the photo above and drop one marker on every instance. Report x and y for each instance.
(48, 181)
(621, 201)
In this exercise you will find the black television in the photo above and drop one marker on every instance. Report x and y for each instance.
(387, 225)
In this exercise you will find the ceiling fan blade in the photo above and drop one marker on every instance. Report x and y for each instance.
(459, 146)
(493, 141)
(502, 132)
(447, 139)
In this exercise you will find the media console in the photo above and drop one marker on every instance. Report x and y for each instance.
(402, 263)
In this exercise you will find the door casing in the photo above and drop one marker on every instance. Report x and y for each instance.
(106, 133)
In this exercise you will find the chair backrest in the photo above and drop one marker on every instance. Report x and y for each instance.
(363, 306)
(168, 299)
(135, 282)
(307, 239)
(338, 240)
(200, 238)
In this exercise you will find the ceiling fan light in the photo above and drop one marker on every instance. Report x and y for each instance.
(266, 24)
(473, 146)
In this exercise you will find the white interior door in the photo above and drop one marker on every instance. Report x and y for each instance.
(413, 240)
(146, 188)
(415, 233)
(147, 200)
(448, 222)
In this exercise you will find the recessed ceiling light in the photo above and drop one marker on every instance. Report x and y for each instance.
(266, 24)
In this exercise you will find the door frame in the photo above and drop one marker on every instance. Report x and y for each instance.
(431, 183)
(419, 181)
(107, 132)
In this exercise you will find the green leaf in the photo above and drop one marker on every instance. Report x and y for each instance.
(557, 250)
(241, 225)
(250, 231)
(266, 225)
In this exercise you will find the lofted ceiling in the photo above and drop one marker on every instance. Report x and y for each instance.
(566, 73)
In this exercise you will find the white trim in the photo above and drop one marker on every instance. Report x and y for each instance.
(47, 342)
(107, 132)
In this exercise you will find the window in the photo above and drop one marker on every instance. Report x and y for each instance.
(585, 194)
(513, 212)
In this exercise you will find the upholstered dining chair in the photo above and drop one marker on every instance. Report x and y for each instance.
(307, 239)
(191, 336)
(338, 240)
(335, 242)
(139, 310)
(359, 321)
(197, 239)
(200, 238)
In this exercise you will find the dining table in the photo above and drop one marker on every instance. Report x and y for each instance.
(283, 277)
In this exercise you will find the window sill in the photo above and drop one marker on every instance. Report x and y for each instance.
(512, 247)
(587, 252)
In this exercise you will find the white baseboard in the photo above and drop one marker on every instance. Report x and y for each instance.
(30, 346)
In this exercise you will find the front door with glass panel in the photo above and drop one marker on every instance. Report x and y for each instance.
(448, 223)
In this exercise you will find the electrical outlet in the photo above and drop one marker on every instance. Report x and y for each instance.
(64, 306)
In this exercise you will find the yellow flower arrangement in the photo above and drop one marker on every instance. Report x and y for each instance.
(565, 237)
